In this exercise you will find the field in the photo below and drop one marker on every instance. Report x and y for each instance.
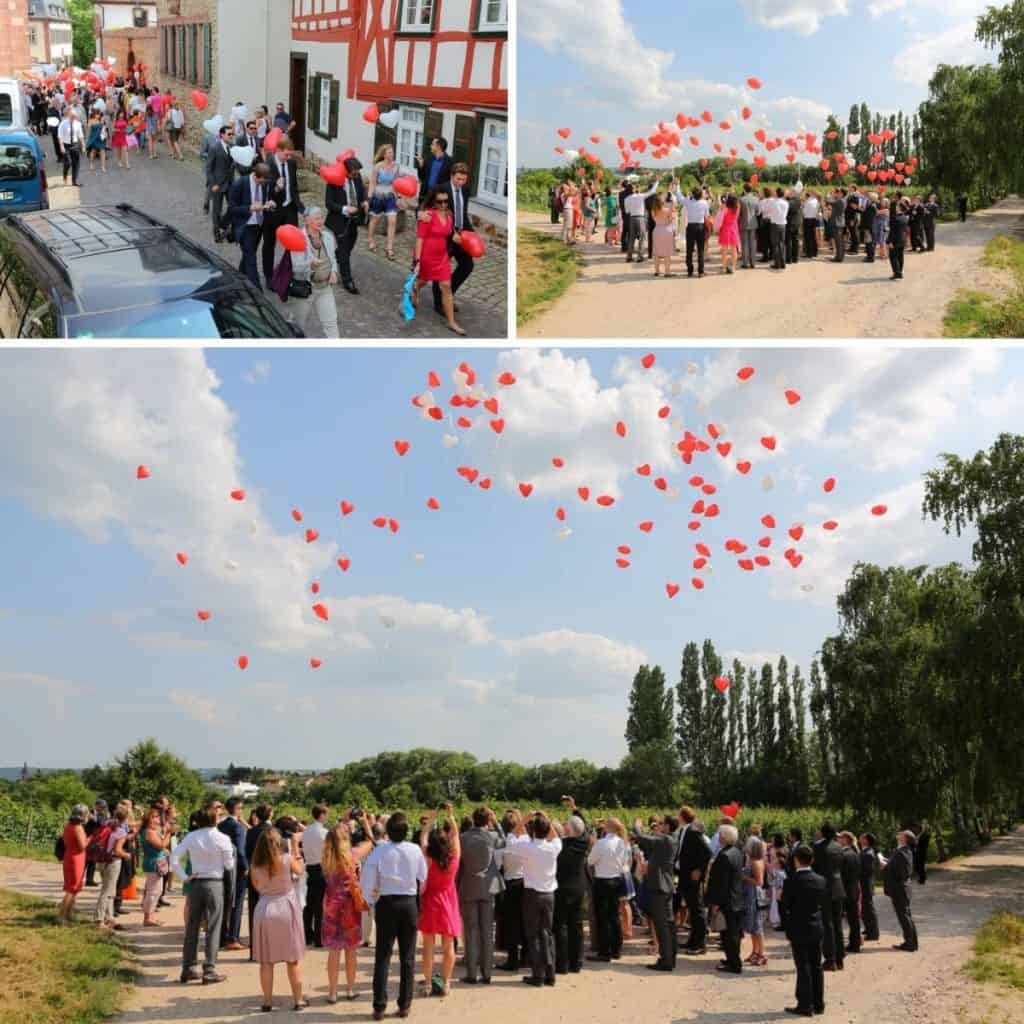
(999, 951)
(546, 268)
(979, 314)
(55, 975)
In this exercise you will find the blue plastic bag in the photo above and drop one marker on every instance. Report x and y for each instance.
(408, 309)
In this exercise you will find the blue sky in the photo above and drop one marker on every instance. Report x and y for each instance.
(617, 67)
(478, 626)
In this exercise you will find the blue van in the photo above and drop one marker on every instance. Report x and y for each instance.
(22, 174)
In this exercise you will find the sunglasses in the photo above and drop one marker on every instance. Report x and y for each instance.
(442, 202)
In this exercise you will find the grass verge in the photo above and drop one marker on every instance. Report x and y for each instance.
(19, 850)
(56, 975)
(999, 951)
(976, 314)
(545, 268)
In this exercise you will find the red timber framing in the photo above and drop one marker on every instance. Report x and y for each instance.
(369, 26)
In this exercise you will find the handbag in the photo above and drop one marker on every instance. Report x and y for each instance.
(299, 289)
(356, 892)
(163, 866)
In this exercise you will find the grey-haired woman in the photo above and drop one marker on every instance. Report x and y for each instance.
(754, 902)
(317, 265)
(75, 842)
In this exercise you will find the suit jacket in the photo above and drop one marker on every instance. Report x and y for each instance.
(240, 203)
(795, 214)
(293, 182)
(850, 871)
(444, 176)
(898, 872)
(838, 218)
(694, 855)
(661, 852)
(868, 868)
(803, 900)
(235, 831)
(479, 878)
(466, 224)
(336, 199)
(868, 215)
(220, 168)
(828, 862)
(571, 866)
(252, 837)
(898, 223)
(725, 884)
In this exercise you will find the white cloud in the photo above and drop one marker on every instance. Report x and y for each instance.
(197, 706)
(802, 16)
(880, 8)
(749, 659)
(918, 61)
(799, 110)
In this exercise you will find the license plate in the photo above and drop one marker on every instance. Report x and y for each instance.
(6, 197)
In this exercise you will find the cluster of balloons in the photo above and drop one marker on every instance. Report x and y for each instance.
(473, 405)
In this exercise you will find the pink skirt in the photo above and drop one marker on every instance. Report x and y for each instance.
(278, 935)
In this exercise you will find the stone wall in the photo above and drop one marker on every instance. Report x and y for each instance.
(14, 51)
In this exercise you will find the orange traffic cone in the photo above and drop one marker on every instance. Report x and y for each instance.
(130, 892)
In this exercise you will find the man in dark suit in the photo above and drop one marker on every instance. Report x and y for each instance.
(624, 193)
(868, 870)
(345, 205)
(220, 173)
(661, 850)
(851, 885)
(931, 215)
(263, 814)
(898, 226)
(232, 827)
(803, 897)
(479, 881)
(897, 887)
(725, 893)
(828, 862)
(694, 857)
(284, 191)
(571, 876)
(838, 222)
(459, 205)
(250, 203)
(437, 171)
(867, 225)
(794, 227)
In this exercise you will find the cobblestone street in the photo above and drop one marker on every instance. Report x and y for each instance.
(173, 192)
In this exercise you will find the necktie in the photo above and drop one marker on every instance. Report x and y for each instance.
(283, 167)
(257, 197)
(458, 209)
(351, 190)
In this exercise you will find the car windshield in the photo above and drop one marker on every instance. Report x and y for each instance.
(6, 110)
(17, 162)
(225, 314)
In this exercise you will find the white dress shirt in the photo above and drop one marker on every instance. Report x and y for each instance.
(70, 132)
(511, 863)
(778, 212)
(393, 869)
(634, 205)
(209, 851)
(609, 857)
(811, 208)
(313, 844)
(282, 167)
(696, 211)
(258, 196)
(540, 861)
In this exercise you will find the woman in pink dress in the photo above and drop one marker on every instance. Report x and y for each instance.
(729, 234)
(431, 260)
(342, 916)
(120, 139)
(439, 903)
(277, 930)
(75, 842)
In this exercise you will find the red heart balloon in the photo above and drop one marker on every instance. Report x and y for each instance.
(879, 510)
(433, 504)
(485, 484)
(243, 662)
(697, 582)
(704, 550)
(315, 587)
(744, 467)
(829, 485)
(204, 615)
(491, 405)
(435, 412)
(498, 426)
(141, 473)
(768, 442)
(796, 532)
(724, 447)
(584, 493)
(347, 508)
(745, 373)
(526, 490)
(238, 495)
(721, 685)
(402, 447)
(664, 412)
(622, 563)
(315, 662)
(648, 361)
(647, 526)
(296, 515)
(311, 535)
(620, 428)
(506, 380)
(661, 483)
(792, 397)
(321, 612)
(671, 589)
(344, 563)
(557, 463)
(394, 525)
(830, 525)
(182, 558)
(560, 514)
(644, 470)
(606, 500)
(768, 522)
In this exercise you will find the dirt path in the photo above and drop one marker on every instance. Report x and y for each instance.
(879, 986)
(815, 299)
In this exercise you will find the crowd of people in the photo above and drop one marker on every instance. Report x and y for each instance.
(251, 189)
(774, 225)
(524, 884)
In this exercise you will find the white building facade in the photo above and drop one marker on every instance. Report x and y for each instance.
(442, 64)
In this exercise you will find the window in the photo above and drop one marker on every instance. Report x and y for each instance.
(207, 79)
(17, 162)
(416, 16)
(140, 17)
(324, 125)
(6, 110)
(33, 36)
(410, 137)
(493, 16)
(494, 167)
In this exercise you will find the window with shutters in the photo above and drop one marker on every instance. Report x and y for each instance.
(493, 185)
(324, 122)
(207, 56)
(416, 16)
(193, 53)
(492, 16)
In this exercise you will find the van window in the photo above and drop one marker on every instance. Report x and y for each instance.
(17, 162)
(6, 110)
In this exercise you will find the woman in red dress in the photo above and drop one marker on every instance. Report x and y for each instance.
(75, 842)
(436, 227)
(439, 904)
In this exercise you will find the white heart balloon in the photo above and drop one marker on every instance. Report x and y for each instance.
(391, 119)
(565, 533)
(243, 155)
(853, 138)
(891, 159)
(767, 483)
(906, 181)
(449, 440)
(52, 122)
(214, 124)
(231, 565)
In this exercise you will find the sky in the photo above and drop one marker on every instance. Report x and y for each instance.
(482, 626)
(618, 67)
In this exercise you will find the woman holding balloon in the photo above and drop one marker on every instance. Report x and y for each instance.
(435, 230)
(382, 197)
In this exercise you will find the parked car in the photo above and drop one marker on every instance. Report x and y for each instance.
(23, 185)
(12, 105)
(116, 272)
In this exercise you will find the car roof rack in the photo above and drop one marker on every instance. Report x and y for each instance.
(70, 234)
